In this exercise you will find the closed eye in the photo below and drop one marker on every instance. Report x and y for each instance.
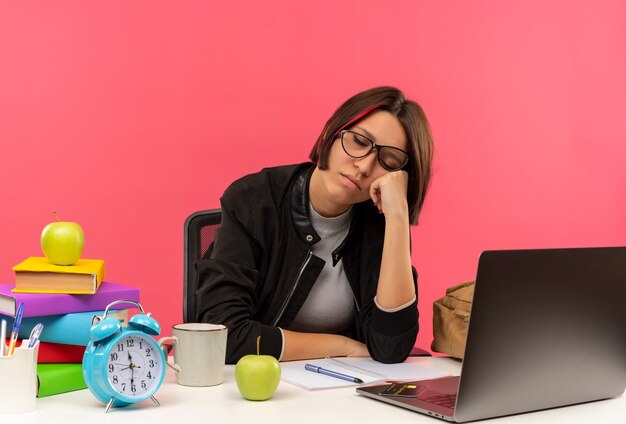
(362, 143)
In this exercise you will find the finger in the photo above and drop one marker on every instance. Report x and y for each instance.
(374, 196)
(377, 199)
(376, 193)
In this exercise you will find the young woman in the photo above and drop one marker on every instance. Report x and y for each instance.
(315, 258)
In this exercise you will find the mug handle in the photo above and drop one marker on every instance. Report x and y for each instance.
(164, 341)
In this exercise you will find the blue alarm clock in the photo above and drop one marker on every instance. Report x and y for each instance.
(124, 365)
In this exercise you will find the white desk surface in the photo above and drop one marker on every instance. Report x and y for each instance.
(290, 404)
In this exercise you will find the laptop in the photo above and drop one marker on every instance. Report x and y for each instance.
(547, 329)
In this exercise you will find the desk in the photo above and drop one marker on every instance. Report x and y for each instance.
(224, 405)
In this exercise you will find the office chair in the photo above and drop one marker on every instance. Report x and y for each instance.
(199, 233)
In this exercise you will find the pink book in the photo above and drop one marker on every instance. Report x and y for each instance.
(39, 304)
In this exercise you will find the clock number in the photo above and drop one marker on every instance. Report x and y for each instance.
(143, 384)
(123, 387)
(149, 375)
(111, 367)
(151, 363)
(148, 350)
(114, 357)
(114, 379)
(133, 388)
(140, 344)
(130, 343)
(120, 347)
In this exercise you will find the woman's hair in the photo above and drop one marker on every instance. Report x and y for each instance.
(413, 121)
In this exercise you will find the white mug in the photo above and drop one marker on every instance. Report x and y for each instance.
(199, 353)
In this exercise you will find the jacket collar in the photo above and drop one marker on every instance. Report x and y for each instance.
(300, 207)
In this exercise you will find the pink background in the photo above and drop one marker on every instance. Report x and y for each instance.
(128, 116)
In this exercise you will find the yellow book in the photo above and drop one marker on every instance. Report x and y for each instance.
(39, 275)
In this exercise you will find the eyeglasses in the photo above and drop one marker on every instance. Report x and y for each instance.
(358, 146)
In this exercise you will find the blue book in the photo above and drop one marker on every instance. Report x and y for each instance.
(70, 329)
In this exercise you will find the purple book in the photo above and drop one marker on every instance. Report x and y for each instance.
(40, 304)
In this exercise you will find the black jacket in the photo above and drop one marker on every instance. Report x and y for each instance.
(260, 269)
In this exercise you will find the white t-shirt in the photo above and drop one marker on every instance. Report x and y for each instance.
(329, 308)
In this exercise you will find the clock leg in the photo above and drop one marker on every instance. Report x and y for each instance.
(109, 405)
(155, 400)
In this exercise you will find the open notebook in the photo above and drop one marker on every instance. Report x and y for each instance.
(366, 369)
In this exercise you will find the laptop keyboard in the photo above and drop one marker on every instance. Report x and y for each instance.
(448, 400)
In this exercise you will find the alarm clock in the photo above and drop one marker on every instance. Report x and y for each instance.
(124, 365)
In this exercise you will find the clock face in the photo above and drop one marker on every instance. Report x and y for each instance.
(134, 366)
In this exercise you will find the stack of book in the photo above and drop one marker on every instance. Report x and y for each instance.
(65, 300)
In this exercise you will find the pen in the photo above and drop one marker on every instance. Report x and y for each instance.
(3, 336)
(324, 371)
(34, 335)
(16, 328)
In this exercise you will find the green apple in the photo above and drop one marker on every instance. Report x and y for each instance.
(257, 376)
(62, 242)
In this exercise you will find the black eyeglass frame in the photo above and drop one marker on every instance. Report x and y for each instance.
(373, 146)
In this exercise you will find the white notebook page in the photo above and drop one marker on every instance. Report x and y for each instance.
(366, 369)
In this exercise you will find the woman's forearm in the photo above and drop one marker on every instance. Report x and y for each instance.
(395, 282)
(317, 345)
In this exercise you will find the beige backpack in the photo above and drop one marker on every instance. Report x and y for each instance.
(450, 319)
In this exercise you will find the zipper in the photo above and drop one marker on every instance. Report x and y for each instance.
(293, 288)
(351, 285)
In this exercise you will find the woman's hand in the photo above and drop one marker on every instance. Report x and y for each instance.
(389, 194)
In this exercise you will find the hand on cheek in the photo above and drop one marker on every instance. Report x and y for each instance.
(389, 194)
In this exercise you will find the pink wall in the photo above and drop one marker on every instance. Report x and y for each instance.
(128, 116)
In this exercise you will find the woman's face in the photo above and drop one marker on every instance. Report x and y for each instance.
(347, 180)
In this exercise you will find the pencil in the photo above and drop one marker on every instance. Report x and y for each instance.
(16, 328)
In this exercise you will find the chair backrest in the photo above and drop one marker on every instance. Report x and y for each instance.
(199, 233)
